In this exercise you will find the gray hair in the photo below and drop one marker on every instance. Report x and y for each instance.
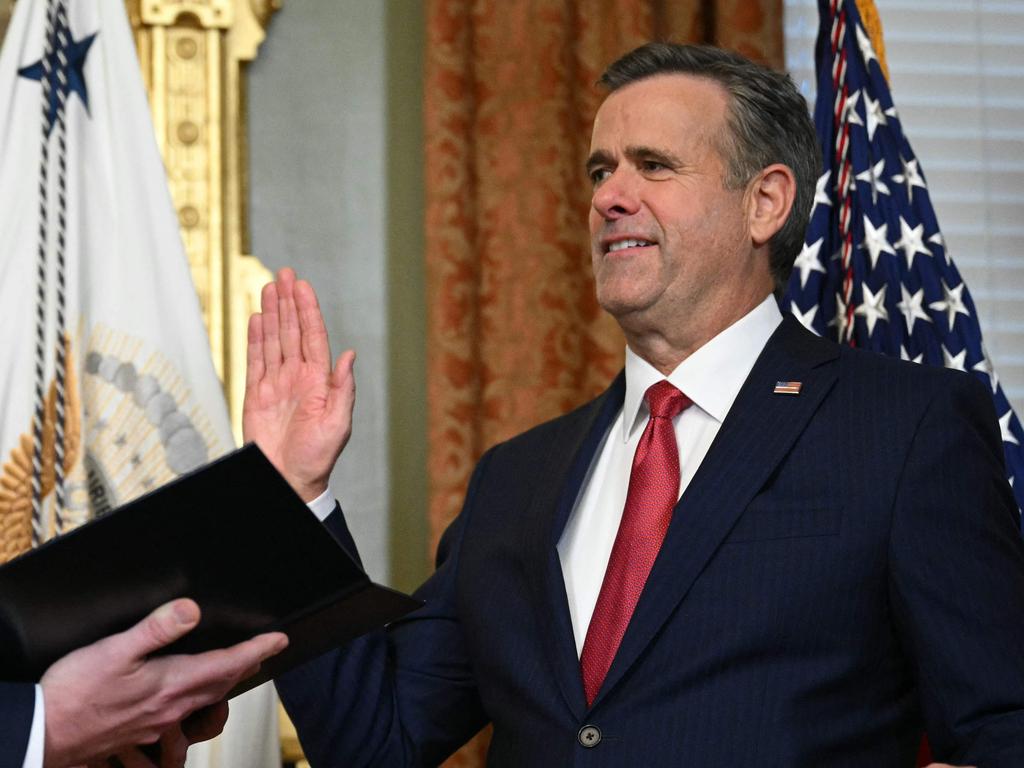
(768, 123)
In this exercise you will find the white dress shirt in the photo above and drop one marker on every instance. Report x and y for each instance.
(322, 505)
(36, 737)
(711, 377)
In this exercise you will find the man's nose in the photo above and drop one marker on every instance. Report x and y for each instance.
(618, 195)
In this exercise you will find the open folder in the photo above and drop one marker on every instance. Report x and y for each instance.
(233, 536)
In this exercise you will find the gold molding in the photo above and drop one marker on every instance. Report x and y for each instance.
(193, 54)
(211, 14)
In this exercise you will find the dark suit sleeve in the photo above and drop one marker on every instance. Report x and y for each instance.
(404, 697)
(17, 706)
(957, 581)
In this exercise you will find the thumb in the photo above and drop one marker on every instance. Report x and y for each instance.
(162, 627)
(205, 723)
(342, 377)
(342, 396)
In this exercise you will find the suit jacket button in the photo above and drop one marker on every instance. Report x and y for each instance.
(589, 736)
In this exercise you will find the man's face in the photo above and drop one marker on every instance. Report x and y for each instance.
(668, 239)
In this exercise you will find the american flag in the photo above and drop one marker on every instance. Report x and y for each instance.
(874, 271)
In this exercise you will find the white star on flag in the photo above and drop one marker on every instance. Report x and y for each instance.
(876, 241)
(910, 306)
(911, 241)
(875, 115)
(956, 362)
(1004, 428)
(850, 109)
(820, 193)
(952, 304)
(938, 239)
(904, 355)
(839, 319)
(864, 43)
(872, 307)
(873, 176)
(808, 261)
(910, 177)
(806, 318)
(985, 366)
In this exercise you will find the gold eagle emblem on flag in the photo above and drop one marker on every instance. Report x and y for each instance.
(16, 477)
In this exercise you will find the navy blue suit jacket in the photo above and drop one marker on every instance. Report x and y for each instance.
(843, 571)
(17, 706)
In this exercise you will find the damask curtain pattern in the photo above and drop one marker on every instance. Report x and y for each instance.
(514, 333)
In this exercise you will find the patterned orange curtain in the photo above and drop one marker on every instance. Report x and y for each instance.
(515, 335)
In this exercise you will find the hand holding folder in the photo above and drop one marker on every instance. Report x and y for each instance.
(99, 699)
(233, 536)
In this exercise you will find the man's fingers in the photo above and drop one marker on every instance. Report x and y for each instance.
(254, 366)
(315, 345)
(271, 328)
(173, 748)
(256, 650)
(162, 627)
(130, 758)
(205, 723)
(214, 673)
(287, 315)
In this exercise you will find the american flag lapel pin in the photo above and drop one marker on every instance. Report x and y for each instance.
(787, 387)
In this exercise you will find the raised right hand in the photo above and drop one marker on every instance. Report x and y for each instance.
(297, 409)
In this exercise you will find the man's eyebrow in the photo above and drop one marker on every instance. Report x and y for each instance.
(636, 154)
(640, 152)
(600, 157)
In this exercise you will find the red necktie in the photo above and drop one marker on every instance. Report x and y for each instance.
(653, 492)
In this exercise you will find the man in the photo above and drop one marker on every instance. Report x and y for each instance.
(843, 567)
(101, 701)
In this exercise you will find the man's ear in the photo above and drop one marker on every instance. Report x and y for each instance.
(770, 199)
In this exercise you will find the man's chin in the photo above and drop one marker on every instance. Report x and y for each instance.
(623, 307)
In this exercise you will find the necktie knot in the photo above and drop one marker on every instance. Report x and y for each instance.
(665, 401)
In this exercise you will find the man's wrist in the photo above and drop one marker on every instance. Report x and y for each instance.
(308, 491)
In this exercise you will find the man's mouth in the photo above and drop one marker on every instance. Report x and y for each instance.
(620, 245)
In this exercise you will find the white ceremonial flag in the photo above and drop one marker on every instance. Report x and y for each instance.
(107, 388)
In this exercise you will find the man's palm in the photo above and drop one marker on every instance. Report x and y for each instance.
(297, 409)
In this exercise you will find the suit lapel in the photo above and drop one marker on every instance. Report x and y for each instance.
(760, 424)
(564, 470)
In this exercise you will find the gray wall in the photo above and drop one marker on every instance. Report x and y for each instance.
(334, 114)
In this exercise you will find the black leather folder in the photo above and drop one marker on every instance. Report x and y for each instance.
(233, 536)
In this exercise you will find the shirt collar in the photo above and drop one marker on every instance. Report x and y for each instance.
(712, 376)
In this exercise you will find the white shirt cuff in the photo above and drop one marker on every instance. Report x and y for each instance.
(322, 505)
(37, 736)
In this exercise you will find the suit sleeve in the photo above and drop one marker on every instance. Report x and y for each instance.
(957, 581)
(17, 704)
(401, 697)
